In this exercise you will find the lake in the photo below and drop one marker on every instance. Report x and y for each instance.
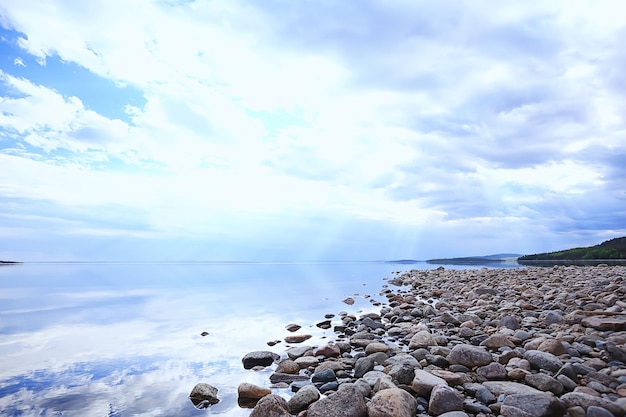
(124, 339)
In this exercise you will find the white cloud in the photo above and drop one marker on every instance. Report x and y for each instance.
(401, 113)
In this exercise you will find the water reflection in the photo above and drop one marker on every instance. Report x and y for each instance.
(110, 339)
(125, 339)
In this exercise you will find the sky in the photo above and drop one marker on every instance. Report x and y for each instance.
(282, 130)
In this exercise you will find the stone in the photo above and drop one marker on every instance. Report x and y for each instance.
(204, 395)
(402, 373)
(496, 341)
(532, 405)
(552, 346)
(348, 401)
(493, 371)
(595, 411)
(394, 402)
(293, 327)
(307, 361)
(403, 358)
(372, 376)
(328, 351)
(544, 382)
(326, 324)
(277, 377)
(573, 399)
(271, 406)
(362, 366)
(287, 366)
(349, 301)
(422, 339)
(615, 323)
(299, 351)
(305, 396)
(249, 390)
(423, 382)
(297, 338)
(510, 322)
(376, 347)
(543, 360)
(259, 358)
(452, 378)
(326, 375)
(443, 399)
(469, 356)
(507, 388)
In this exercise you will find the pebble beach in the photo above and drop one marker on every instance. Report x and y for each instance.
(536, 341)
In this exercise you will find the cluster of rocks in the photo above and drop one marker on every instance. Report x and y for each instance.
(453, 343)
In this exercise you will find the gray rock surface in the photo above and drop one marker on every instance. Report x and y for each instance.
(394, 402)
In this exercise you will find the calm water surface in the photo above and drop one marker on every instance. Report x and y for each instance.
(124, 339)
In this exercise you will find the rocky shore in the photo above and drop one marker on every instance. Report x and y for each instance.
(484, 342)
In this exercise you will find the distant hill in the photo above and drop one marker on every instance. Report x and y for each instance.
(9, 262)
(611, 249)
(476, 260)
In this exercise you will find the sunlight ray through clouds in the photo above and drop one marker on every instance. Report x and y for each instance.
(259, 125)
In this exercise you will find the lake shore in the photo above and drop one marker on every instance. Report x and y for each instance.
(475, 342)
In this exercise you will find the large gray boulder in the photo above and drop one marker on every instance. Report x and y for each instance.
(394, 402)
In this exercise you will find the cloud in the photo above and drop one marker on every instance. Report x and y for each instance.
(399, 114)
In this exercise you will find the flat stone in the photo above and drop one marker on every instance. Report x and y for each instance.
(296, 352)
(615, 323)
(424, 382)
(297, 338)
(277, 377)
(532, 405)
(307, 361)
(544, 382)
(507, 388)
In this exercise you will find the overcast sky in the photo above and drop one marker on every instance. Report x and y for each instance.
(309, 130)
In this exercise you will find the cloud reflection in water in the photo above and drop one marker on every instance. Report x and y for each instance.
(123, 340)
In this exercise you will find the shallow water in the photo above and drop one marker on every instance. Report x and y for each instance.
(104, 339)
